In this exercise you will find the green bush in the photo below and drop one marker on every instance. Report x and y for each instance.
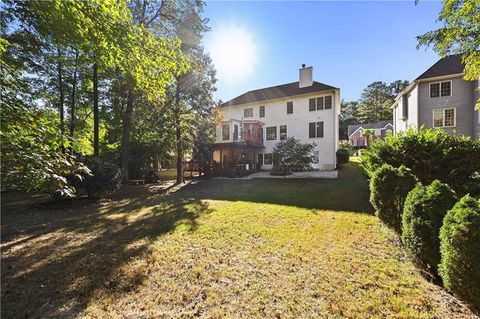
(343, 156)
(389, 187)
(423, 213)
(345, 145)
(104, 179)
(430, 154)
(460, 250)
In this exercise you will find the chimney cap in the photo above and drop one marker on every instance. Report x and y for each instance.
(303, 65)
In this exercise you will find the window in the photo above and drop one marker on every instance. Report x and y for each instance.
(267, 159)
(235, 132)
(445, 88)
(289, 107)
(315, 129)
(319, 129)
(440, 89)
(260, 159)
(311, 130)
(311, 104)
(225, 132)
(320, 103)
(404, 108)
(328, 102)
(444, 117)
(271, 133)
(316, 157)
(283, 132)
(262, 111)
(248, 112)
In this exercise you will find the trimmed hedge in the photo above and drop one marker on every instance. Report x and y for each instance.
(423, 213)
(343, 156)
(460, 250)
(430, 154)
(389, 187)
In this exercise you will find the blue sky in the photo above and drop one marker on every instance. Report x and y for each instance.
(349, 44)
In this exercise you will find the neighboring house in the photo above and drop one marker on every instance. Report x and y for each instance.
(254, 122)
(379, 130)
(439, 98)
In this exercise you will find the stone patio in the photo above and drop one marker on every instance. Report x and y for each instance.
(295, 175)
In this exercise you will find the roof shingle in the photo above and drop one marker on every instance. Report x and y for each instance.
(446, 66)
(279, 91)
(379, 124)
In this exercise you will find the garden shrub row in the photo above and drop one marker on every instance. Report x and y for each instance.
(424, 185)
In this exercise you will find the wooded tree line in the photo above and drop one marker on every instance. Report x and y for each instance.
(375, 104)
(120, 81)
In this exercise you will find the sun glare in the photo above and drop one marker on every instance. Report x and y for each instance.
(233, 52)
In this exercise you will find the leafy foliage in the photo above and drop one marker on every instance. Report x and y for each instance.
(423, 213)
(458, 35)
(345, 145)
(343, 156)
(430, 154)
(389, 187)
(292, 152)
(104, 179)
(460, 250)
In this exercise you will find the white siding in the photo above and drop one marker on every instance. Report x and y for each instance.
(297, 123)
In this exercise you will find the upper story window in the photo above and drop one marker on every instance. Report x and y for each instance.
(248, 112)
(444, 117)
(271, 133)
(225, 132)
(235, 132)
(315, 129)
(289, 107)
(262, 111)
(441, 89)
(328, 102)
(320, 103)
(283, 132)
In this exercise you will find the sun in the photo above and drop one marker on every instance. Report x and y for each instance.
(233, 51)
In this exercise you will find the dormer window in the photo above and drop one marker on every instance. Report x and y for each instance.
(440, 89)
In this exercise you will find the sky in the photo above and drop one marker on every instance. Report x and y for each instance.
(349, 44)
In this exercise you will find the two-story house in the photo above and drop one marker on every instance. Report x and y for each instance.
(439, 98)
(379, 130)
(254, 122)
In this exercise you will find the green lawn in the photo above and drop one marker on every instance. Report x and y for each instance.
(215, 249)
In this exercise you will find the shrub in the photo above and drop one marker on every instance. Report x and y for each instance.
(423, 213)
(345, 145)
(460, 250)
(343, 156)
(430, 154)
(290, 153)
(105, 178)
(389, 187)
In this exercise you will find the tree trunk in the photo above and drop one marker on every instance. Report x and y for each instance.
(95, 111)
(72, 102)
(178, 138)
(127, 126)
(61, 95)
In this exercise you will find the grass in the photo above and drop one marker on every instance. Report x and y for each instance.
(213, 249)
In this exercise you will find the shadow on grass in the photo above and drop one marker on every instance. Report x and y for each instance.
(347, 193)
(54, 260)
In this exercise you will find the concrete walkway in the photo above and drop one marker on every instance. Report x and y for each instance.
(312, 174)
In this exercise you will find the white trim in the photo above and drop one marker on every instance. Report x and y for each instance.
(440, 78)
(439, 89)
(443, 117)
(356, 131)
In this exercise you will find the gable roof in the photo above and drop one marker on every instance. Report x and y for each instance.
(378, 125)
(445, 66)
(275, 92)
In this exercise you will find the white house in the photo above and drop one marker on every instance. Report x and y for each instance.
(439, 98)
(254, 122)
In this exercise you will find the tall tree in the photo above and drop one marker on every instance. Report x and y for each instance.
(398, 86)
(375, 103)
(348, 116)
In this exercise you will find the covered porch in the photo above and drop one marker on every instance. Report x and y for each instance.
(235, 159)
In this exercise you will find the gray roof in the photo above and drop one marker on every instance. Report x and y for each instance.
(279, 91)
(446, 66)
(379, 124)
